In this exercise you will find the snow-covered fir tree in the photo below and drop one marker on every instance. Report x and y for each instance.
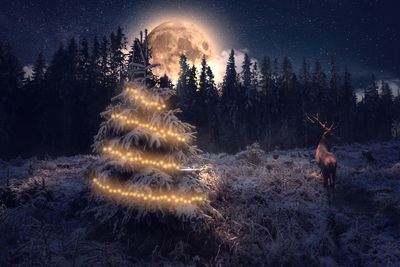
(144, 150)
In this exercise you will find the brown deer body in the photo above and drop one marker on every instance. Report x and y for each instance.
(327, 163)
(325, 159)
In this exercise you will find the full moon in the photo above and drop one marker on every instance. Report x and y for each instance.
(171, 39)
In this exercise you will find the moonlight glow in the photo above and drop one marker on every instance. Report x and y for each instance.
(169, 40)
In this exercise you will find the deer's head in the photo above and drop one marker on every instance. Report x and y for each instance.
(328, 137)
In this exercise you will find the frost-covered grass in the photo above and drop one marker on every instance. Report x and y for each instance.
(271, 209)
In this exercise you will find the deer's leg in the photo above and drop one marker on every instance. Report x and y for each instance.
(325, 176)
(330, 182)
(333, 179)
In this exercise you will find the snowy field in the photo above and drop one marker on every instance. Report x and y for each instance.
(271, 209)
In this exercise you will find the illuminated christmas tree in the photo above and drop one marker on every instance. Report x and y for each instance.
(143, 148)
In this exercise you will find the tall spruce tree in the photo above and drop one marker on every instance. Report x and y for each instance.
(183, 83)
(84, 60)
(201, 96)
(143, 148)
(244, 103)
(386, 111)
(318, 92)
(10, 83)
(229, 106)
(253, 122)
(331, 100)
(264, 105)
(95, 63)
(39, 70)
(288, 104)
(346, 108)
(370, 108)
(212, 98)
(304, 92)
(105, 62)
(245, 75)
(265, 73)
(30, 103)
(118, 43)
(187, 93)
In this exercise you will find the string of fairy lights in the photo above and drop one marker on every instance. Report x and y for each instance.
(158, 131)
(174, 198)
(134, 157)
(144, 100)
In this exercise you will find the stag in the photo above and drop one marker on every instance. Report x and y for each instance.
(325, 159)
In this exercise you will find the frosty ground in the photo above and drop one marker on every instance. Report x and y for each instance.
(271, 209)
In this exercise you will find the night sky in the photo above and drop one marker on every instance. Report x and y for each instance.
(361, 35)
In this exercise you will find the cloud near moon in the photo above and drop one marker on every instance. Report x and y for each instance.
(171, 39)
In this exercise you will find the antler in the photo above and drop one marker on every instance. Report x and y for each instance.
(334, 126)
(315, 119)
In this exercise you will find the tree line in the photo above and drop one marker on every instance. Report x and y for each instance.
(268, 104)
(56, 110)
